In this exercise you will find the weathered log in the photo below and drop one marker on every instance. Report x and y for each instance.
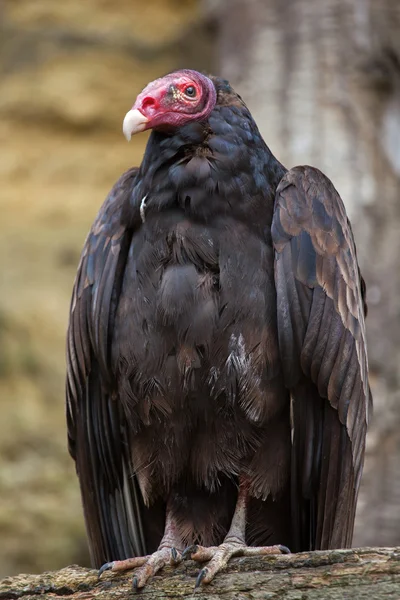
(365, 573)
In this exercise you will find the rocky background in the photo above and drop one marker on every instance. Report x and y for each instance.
(323, 80)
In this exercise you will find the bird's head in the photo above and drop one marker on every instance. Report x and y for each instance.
(170, 102)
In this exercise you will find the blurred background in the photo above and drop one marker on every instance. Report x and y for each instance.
(322, 79)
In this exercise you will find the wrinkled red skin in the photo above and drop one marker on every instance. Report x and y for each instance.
(166, 105)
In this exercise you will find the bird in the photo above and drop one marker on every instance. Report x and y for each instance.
(217, 375)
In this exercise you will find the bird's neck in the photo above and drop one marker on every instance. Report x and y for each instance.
(218, 168)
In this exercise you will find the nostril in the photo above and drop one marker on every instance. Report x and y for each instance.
(148, 101)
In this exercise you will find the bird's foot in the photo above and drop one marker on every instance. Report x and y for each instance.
(148, 565)
(219, 556)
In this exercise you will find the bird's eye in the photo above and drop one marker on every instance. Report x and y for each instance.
(190, 91)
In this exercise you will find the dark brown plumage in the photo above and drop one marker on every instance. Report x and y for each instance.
(214, 286)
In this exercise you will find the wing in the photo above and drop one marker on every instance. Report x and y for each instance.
(96, 434)
(321, 309)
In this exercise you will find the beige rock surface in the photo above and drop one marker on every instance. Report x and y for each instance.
(69, 72)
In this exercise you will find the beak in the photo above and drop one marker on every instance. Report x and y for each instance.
(134, 122)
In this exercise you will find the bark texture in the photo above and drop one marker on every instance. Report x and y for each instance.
(330, 575)
(322, 80)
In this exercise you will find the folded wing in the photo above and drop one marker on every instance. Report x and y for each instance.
(96, 434)
(321, 310)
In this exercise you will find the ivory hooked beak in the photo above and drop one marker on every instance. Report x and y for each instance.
(134, 122)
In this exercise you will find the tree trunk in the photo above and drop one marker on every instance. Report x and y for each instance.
(322, 79)
(357, 574)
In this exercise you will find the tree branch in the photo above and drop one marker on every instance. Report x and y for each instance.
(365, 573)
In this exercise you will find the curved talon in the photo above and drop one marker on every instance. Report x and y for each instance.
(106, 567)
(175, 556)
(284, 549)
(135, 583)
(200, 577)
(187, 553)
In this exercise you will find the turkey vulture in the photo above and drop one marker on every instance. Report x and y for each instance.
(217, 380)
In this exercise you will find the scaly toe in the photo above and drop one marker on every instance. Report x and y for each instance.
(153, 564)
(187, 553)
(143, 575)
(200, 553)
(124, 565)
(148, 565)
(219, 557)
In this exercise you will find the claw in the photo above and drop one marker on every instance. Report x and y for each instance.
(284, 549)
(187, 553)
(175, 556)
(106, 567)
(135, 583)
(200, 577)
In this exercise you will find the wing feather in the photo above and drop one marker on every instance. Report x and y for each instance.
(112, 502)
(321, 310)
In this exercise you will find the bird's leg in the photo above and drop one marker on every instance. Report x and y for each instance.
(168, 553)
(234, 543)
